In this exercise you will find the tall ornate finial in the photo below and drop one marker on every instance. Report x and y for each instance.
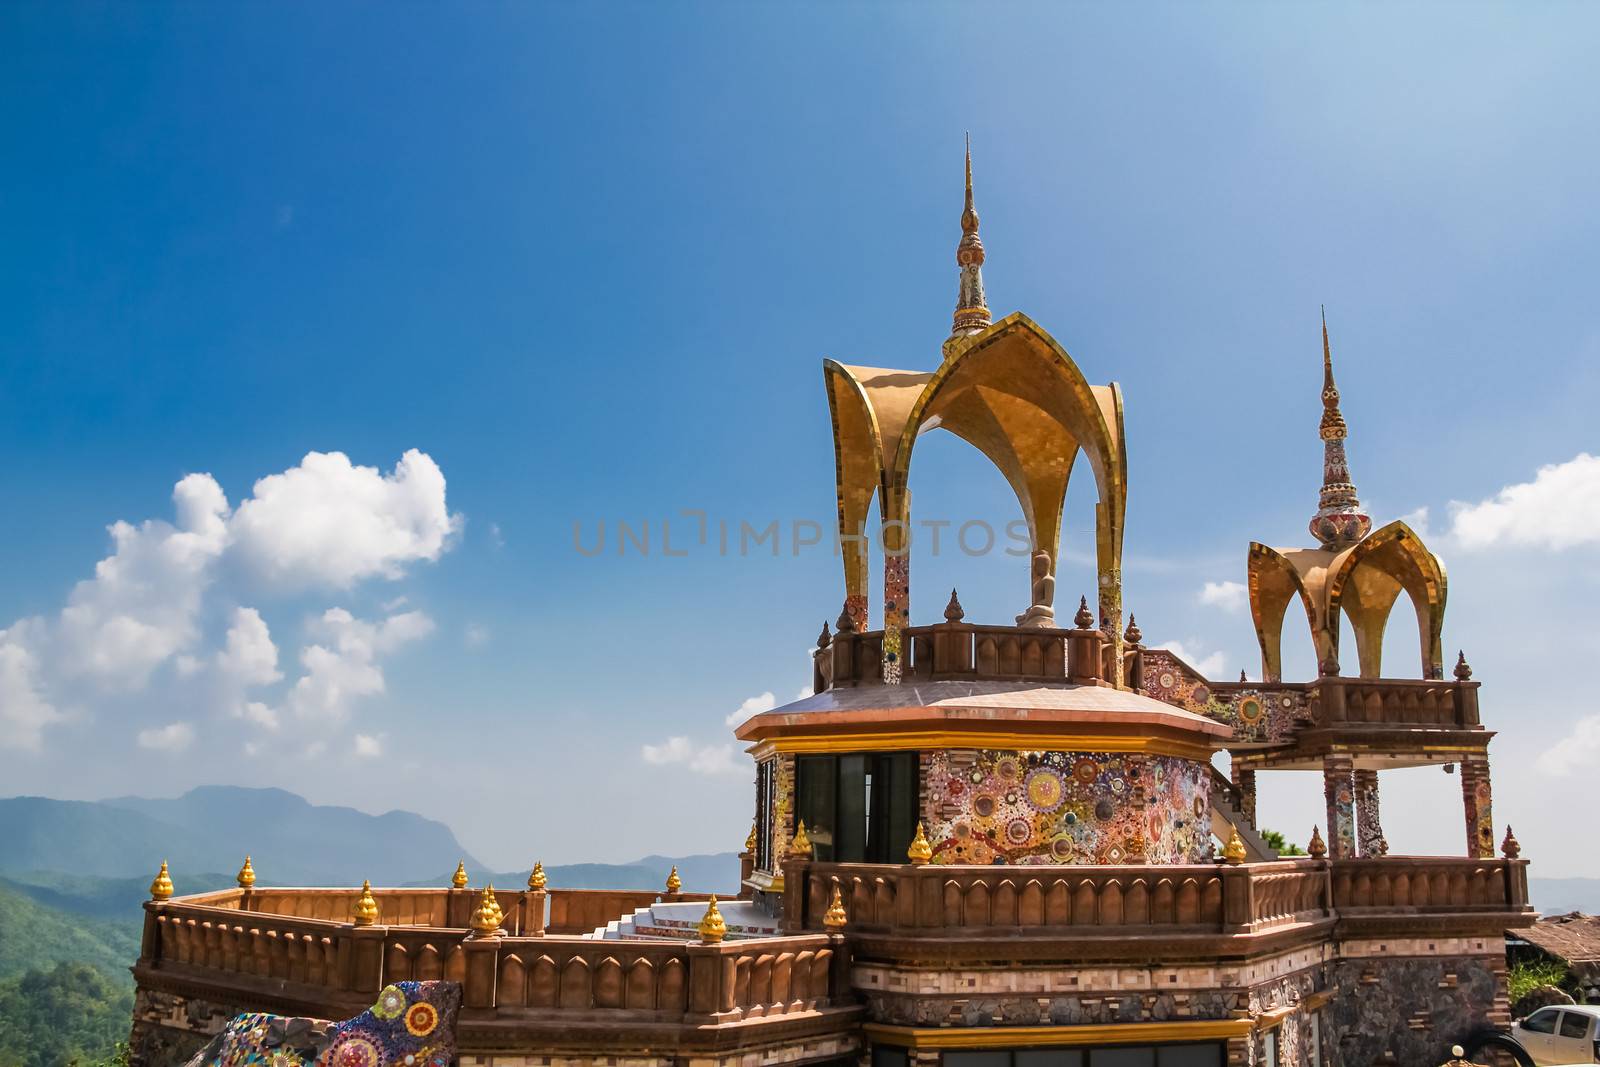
(824, 639)
(486, 917)
(953, 611)
(459, 879)
(1339, 521)
(919, 851)
(1084, 619)
(161, 888)
(750, 840)
(1318, 848)
(1234, 851)
(1511, 848)
(674, 883)
(801, 845)
(972, 309)
(1463, 671)
(846, 623)
(366, 909)
(1242, 677)
(835, 918)
(247, 875)
(712, 927)
(536, 878)
(1132, 635)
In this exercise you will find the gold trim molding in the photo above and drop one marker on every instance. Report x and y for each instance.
(931, 740)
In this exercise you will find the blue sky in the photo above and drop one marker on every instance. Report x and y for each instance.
(586, 262)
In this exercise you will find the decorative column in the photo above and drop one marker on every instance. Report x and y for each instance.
(1476, 798)
(1369, 826)
(896, 581)
(1339, 789)
(1244, 783)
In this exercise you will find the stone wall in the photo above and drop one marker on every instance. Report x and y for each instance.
(1412, 1008)
(168, 1028)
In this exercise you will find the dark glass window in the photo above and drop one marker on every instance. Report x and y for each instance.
(764, 797)
(1126, 1056)
(1189, 1056)
(1574, 1024)
(858, 808)
(1542, 1022)
(888, 1056)
(1049, 1057)
(986, 1058)
(1202, 1054)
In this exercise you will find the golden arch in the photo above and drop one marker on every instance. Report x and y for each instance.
(1363, 582)
(1013, 393)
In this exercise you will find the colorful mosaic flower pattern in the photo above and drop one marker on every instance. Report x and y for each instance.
(409, 1026)
(993, 806)
(1256, 714)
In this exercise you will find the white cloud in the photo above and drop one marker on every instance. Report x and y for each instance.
(1559, 509)
(496, 538)
(476, 635)
(752, 706)
(323, 522)
(1578, 750)
(344, 668)
(702, 759)
(1228, 596)
(24, 712)
(366, 746)
(1209, 665)
(173, 737)
(249, 656)
(328, 522)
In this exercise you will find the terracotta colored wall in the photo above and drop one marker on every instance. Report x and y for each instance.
(995, 806)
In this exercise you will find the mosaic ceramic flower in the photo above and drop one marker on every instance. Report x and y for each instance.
(983, 806)
(1006, 767)
(391, 1003)
(1104, 809)
(1045, 789)
(421, 1018)
(1019, 831)
(954, 787)
(354, 1049)
(1061, 848)
(1086, 771)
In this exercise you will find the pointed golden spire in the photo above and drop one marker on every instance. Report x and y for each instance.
(712, 927)
(536, 878)
(459, 879)
(750, 841)
(1339, 521)
(919, 851)
(366, 909)
(674, 883)
(835, 917)
(1234, 851)
(1318, 848)
(972, 307)
(247, 875)
(801, 845)
(486, 917)
(161, 888)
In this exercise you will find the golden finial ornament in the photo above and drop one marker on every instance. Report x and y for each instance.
(1318, 848)
(161, 888)
(1463, 671)
(486, 917)
(1234, 851)
(972, 306)
(1084, 619)
(1511, 848)
(1339, 521)
(366, 909)
(536, 879)
(953, 611)
(712, 928)
(674, 883)
(835, 917)
(750, 841)
(1132, 635)
(919, 851)
(247, 875)
(459, 879)
(801, 845)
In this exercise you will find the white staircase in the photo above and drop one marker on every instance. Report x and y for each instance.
(679, 920)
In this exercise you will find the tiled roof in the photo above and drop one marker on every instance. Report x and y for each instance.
(1574, 938)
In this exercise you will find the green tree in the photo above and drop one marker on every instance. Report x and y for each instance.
(72, 1013)
(1276, 841)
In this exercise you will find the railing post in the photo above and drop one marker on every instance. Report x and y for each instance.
(361, 958)
(150, 940)
(483, 958)
(796, 892)
(844, 658)
(1466, 697)
(710, 983)
(1517, 883)
(1238, 898)
(839, 973)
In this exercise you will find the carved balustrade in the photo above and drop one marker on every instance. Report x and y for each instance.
(961, 652)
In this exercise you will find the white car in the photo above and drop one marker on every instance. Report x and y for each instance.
(1562, 1034)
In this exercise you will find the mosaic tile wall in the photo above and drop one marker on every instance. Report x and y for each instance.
(995, 806)
(1256, 714)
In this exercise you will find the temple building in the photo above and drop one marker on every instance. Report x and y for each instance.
(976, 844)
